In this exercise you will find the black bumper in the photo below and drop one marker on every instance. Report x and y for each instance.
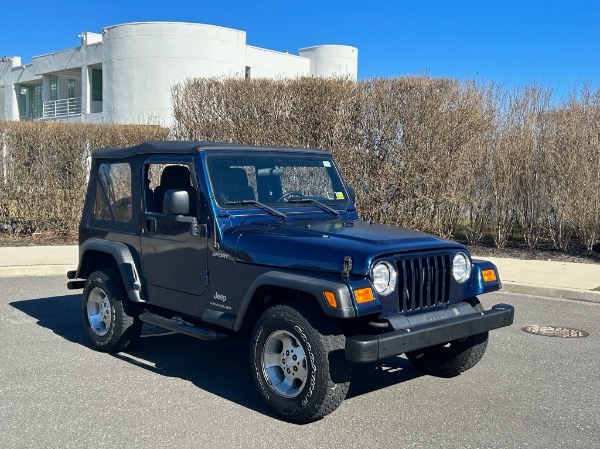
(368, 348)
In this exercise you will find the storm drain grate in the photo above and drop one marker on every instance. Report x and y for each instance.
(150, 330)
(555, 331)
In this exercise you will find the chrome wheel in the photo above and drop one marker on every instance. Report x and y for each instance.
(99, 311)
(284, 364)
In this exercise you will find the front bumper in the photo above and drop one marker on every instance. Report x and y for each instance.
(369, 348)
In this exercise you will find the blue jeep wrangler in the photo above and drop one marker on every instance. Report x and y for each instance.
(217, 239)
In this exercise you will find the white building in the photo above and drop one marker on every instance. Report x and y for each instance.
(125, 74)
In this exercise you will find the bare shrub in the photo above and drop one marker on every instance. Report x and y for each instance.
(433, 154)
(47, 166)
(578, 151)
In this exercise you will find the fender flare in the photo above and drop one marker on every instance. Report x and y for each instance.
(314, 286)
(124, 260)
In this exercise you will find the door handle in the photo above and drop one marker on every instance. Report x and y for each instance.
(151, 224)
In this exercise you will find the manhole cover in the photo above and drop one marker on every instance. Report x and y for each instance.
(150, 330)
(555, 331)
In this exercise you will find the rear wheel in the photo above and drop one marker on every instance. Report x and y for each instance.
(299, 363)
(453, 358)
(110, 319)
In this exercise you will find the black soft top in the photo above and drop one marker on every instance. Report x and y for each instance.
(191, 147)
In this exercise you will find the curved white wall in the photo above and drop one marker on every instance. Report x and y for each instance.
(332, 60)
(142, 61)
(274, 64)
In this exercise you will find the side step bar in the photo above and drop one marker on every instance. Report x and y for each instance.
(182, 327)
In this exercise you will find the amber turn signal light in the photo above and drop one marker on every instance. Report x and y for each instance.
(488, 275)
(330, 297)
(363, 295)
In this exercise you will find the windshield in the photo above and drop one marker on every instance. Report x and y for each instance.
(275, 180)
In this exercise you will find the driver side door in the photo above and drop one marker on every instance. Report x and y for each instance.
(173, 259)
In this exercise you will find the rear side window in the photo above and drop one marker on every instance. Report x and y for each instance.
(113, 192)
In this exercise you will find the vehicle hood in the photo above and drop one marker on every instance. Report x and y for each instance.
(320, 245)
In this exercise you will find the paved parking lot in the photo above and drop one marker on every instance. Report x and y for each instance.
(177, 392)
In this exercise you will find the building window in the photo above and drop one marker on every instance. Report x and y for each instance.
(96, 85)
(248, 70)
(53, 88)
(36, 102)
(2, 99)
(71, 88)
(23, 103)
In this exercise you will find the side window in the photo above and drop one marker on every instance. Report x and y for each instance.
(113, 192)
(163, 177)
(101, 209)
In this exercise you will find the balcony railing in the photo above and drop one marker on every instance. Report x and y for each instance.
(65, 107)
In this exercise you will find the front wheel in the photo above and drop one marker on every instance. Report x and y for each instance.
(110, 319)
(453, 358)
(299, 363)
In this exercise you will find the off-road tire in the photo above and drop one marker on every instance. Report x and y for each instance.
(110, 319)
(322, 362)
(453, 358)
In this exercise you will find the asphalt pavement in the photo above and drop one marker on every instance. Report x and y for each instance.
(532, 277)
(175, 391)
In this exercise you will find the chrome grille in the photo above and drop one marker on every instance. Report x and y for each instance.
(423, 282)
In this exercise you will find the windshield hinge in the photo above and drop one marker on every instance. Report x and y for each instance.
(216, 243)
(347, 268)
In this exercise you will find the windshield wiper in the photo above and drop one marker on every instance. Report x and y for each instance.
(316, 203)
(259, 205)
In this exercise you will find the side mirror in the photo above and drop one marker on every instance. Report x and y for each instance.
(351, 192)
(176, 202)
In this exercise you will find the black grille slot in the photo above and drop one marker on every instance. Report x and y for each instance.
(424, 282)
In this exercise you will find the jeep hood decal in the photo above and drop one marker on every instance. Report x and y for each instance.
(322, 245)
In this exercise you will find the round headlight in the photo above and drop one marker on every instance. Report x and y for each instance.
(384, 278)
(461, 267)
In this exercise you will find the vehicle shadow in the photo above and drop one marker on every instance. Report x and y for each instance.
(369, 377)
(220, 367)
(60, 314)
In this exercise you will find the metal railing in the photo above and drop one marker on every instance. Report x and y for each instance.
(65, 107)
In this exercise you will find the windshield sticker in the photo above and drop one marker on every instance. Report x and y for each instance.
(326, 164)
(339, 195)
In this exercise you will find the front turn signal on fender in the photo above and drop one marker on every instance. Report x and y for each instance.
(330, 297)
(488, 275)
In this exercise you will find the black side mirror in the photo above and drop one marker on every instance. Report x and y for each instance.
(176, 202)
(351, 192)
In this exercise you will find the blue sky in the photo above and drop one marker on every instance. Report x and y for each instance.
(552, 43)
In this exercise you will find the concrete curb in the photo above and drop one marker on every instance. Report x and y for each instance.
(35, 270)
(552, 292)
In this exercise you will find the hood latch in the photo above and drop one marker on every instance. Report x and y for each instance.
(347, 269)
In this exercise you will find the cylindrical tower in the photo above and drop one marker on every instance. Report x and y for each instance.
(142, 61)
(332, 60)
